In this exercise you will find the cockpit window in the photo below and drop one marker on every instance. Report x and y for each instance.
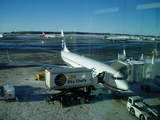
(117, 78)
(120, 78)
(113, 77)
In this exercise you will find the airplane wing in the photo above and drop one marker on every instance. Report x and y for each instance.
(121, 57)
(112, 61)
(38, 64)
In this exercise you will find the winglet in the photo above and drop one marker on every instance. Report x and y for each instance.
(124, 52)
(8, 56)
(64, 47)
(62, 34)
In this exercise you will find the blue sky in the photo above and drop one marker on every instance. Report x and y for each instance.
(114, 16)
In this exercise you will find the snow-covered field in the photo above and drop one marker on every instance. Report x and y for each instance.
(30, 103)
(31, 94)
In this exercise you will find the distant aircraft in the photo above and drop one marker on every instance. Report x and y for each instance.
(114, 80)
(116, 38)
(10, 35)
(1, 35)
(151, 38)
(48, 36)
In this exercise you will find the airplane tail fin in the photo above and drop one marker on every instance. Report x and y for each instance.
(43, 34)
(64, 47)
(124, 52)
(122, 56)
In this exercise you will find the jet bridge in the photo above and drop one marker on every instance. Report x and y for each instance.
(141, 71)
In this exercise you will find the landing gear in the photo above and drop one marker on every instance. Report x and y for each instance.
(146, 88)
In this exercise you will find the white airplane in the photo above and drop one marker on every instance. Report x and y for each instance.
(48, 36)
(116, 38)
(1, 35)
(115, 81)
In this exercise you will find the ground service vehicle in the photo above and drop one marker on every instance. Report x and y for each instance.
(9, 93)
(73, 83)
(141, 109)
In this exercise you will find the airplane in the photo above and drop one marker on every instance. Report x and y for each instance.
(116, 80)
(48, 36)
(13, 36)
(116, 38)
(1, 35)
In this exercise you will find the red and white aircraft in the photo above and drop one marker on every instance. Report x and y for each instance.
(48, 36)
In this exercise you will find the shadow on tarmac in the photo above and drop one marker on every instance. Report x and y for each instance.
(4, 66)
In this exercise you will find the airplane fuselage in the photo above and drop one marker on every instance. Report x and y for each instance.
(48, 36)
(115, 82)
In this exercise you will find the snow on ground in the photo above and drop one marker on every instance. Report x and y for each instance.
(32, 106)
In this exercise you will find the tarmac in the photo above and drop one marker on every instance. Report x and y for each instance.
(30, 103)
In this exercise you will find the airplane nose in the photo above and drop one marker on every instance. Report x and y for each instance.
(122, 84)
(126, 86)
